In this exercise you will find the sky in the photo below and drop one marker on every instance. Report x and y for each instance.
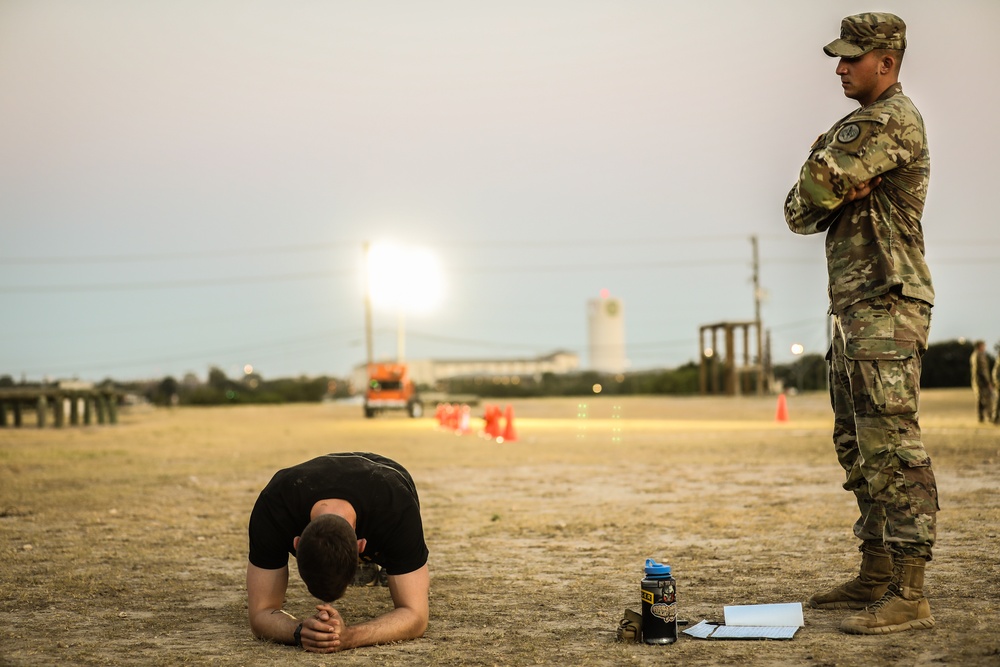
(190, 183)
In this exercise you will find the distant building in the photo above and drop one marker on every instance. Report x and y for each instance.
(606, 334)
(74, 385)
(430, 371)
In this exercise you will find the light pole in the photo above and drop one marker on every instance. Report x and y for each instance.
(368, 305)
(403, 279)
(401, 336)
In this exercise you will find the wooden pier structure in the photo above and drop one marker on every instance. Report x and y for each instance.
(737, 378)
(75, 404)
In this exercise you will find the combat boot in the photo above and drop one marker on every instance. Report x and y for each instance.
(868, 587)
(903, 607)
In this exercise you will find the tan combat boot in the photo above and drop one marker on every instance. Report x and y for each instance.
(903, 607)
(870, 584)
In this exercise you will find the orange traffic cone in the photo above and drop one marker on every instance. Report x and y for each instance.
(491, 415)
(782, 414)
(509, 434)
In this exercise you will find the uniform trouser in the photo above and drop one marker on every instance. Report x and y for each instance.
(875, 387)
(984, 402)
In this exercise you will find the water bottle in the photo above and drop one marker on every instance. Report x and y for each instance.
(659, 604)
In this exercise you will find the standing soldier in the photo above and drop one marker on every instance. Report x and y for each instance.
(982, 383)
(995, 414)
(864, 184)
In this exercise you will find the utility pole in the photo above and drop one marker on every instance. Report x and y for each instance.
(756, 314)
(756, 281)
(368, 305)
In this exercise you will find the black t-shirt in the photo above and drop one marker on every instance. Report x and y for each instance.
(380, 490)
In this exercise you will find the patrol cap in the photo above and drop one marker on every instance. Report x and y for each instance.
(862, 33)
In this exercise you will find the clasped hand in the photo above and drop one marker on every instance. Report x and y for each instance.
(321, 633)
(862, 189)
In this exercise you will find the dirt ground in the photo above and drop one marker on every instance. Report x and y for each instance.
(126, 544)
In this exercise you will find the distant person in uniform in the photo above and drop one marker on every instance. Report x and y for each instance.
(982, 382)
(326, 512)
(995, 414)
(864, 184)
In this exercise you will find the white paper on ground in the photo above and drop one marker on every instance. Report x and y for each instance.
(756, 621)
(787, 614)
(703, 630)
(706, 630)
(754, 632)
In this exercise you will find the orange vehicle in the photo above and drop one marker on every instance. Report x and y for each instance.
(390, 388)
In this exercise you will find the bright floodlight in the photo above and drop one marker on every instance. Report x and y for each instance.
(797, 349)
(404, 279)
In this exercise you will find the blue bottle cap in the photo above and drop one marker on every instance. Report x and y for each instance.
(657, 569)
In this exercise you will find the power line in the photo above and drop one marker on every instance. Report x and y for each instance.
(353, 245)
(173, 284)
(247, 350)
(464, 341)
(344, 273)
(798, 324)
(182, 255)
(131, 324)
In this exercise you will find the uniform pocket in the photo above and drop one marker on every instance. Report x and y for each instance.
(915, 478)
(876, 349)
(884, 375)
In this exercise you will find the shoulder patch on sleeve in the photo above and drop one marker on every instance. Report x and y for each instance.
(848, 133)
(855, 132)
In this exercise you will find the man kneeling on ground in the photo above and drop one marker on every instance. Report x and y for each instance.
(327, 512)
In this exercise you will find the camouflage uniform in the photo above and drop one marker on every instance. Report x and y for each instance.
(982, 384)
(881, 296)
(996, 388)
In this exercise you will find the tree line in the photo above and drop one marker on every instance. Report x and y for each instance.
(944, 365)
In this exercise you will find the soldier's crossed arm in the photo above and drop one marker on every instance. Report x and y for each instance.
(864, 146)
(805, 218)
(846, 167)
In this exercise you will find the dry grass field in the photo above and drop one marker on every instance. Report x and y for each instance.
(126, 545)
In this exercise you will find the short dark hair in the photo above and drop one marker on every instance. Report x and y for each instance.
(327, 556)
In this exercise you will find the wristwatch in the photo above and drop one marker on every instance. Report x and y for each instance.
(298, 635)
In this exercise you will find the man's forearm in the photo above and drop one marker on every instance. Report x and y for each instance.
(399, 624)
(804, 217)
(277, 625)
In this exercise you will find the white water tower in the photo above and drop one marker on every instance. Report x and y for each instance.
(606, 334)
